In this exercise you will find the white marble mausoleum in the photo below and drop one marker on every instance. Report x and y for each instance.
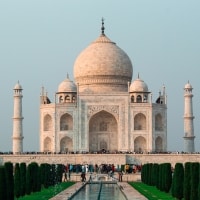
(103, 108)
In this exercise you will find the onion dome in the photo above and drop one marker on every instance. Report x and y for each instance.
(188, 86)
(138, 85)
(103, 67)
(67, 86)
(18, 86)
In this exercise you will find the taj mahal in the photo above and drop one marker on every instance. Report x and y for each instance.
(103, 109)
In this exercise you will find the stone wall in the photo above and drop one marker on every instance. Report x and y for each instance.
(116, 159)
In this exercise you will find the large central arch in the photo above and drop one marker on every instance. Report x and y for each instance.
(103, 132)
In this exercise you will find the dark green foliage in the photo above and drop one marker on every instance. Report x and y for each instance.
(178, 178)
(144, 173)
(42, 173)
(3, 189)
(199, 185)
(22, 167)
(155, 174)
(187, 179)
(162, 177)
(157, 168)
(53, 175)
(194, 180)
(9, 180)
(59, 173)
(33, 178)
(46, 177)
(17, 181)
(167, 177)
(28, 180)
(159, 186)
(150, 169)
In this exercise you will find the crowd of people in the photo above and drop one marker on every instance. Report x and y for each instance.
(99, 152)
(109, 169)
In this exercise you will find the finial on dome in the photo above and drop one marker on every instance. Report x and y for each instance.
(138, 76)
(67, 76)
(102, 26)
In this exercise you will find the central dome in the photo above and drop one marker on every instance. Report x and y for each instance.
(103, 67)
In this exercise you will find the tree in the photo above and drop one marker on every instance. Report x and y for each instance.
(35, 177)
(3, 189)
(167, 177)
(17, 181)
(9, 180)
(194, 180)
(154, 174)
(178, 178)
(28, 180)
(199, 185)
(22, 167)
(187, 179)
(160, 178)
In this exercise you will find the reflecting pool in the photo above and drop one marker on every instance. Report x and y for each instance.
(100, 191)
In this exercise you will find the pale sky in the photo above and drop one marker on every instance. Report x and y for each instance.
(40, 40)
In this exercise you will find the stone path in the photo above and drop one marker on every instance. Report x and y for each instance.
(130, 192)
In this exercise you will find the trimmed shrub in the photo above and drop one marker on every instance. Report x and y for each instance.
(199, 185)
(9, 180)
(17, 181)
(167, 177)
(22, 167)
(187, 179)
(154, 174)
(28, 180)
(194, 181)
(178, 178)
(3, 189)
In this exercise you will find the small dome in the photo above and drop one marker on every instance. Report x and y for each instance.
(67, 86)
(188, 86)
(18, 86)
(138, 85)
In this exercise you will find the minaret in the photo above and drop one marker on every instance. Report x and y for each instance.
(17, 120)
(188, 119)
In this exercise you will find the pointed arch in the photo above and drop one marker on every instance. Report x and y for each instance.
(159, 144)
(140, 144)
(139, 99)
(66, 122)
(103, 132)
(158, 122)
(66, 145)
(132, 99)
(67, 98)
(60, 99)
(140, 122)
(47, 123)
(47, 144)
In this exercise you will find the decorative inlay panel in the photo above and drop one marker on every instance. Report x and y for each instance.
(114, 109)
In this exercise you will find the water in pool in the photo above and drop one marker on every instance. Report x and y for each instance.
(98, 191)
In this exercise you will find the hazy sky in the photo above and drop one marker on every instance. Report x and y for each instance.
(40, 40)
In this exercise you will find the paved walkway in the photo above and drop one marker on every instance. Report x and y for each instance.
(130, 192)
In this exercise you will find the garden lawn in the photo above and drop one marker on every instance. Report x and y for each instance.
(151, 192)
(47, 193)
